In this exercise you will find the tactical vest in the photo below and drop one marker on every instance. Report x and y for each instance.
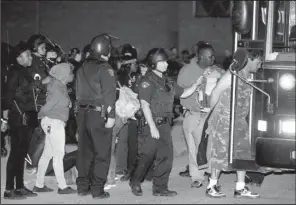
(88, 88)
(162, 101)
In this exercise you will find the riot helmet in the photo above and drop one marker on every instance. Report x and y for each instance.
(101, 45)
(156, 55)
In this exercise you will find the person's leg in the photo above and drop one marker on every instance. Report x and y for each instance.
(57, 140)
(146, 154)
(119, 123)
(12, 166)
(241, 190)
(163, 162)
(3, 143)
(121, 150)
(84, 155)
(102, 142)
(193, 125)
(45, 157)
(12, 160)
(132, 148)
(213, 190)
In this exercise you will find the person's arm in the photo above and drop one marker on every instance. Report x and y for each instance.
(223, 84)
(10, 93)
(186, 92)
(146, 91)
(108, 85)
(52, 99)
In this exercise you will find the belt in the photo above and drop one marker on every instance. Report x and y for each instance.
(91, 107)
(161, 120)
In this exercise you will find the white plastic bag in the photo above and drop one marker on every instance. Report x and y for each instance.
(127, 104)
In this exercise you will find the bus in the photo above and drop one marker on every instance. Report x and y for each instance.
(268, 27)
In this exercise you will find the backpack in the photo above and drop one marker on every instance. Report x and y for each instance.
(128, 103)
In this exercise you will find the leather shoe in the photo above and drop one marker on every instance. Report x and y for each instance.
(185, 173)
(136, 190)
(102, 195)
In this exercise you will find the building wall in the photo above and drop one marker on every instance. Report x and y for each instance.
(145, 24)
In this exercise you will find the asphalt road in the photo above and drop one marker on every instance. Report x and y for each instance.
(276, 189)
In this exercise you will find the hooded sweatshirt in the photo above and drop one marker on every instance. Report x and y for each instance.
(57, 100)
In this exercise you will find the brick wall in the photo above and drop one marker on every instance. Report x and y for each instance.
(145, 24)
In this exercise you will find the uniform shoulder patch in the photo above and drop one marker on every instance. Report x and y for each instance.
(111, 72)
(145, 84)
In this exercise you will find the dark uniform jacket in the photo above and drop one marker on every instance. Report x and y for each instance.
(159, 93)
(95, 85)
(39, 67)
(19, 89)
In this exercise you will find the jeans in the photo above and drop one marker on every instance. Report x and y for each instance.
(54, 148)
(193, 126)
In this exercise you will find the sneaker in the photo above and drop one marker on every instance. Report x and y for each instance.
(43, 189)
(67, 190)
(246, 193)
(25, 192)
(11, 194)
(165, 193)
(214, 192)
(196, 184)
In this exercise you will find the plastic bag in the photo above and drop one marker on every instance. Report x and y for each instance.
(127, 104)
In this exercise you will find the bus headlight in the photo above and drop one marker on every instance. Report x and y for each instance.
(287, 126)
(262, 125)
(287, 81)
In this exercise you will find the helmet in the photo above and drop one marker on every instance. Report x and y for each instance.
(128, 51)
(35, 40)
(155, 55)
(101, 45)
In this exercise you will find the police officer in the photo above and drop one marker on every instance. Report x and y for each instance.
(95, 98)
(19, 101)
(156, 94)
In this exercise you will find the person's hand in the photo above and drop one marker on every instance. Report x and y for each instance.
(110, 123)
(4, 126)
(154, 132)
(200, 80)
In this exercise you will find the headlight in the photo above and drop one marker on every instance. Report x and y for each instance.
(287, 126)
(262, 125)
(287, 81)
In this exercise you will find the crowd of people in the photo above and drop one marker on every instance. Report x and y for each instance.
(71, 98)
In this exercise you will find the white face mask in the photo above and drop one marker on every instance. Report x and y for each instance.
(162, 66)
(78, 57)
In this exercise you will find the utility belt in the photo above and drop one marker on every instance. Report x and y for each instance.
(157, 120)
(91, 107)
(88, 108)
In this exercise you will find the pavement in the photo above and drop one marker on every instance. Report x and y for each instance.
(276, 188)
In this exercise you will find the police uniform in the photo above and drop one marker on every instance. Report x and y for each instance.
(95, 92)
(159, 93)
